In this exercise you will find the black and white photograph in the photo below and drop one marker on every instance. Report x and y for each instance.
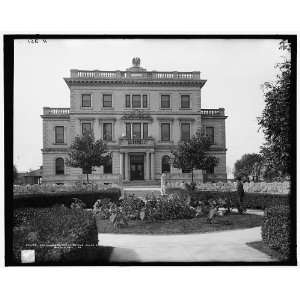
(150, 150)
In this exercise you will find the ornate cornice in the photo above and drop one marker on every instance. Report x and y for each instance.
(133, 82)
(137, 115)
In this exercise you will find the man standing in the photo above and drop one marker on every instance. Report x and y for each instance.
(240, 192)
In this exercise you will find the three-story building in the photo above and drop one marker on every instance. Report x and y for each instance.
(141, 115)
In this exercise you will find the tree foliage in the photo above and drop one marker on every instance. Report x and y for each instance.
(276, 116)
(248, 165)
(86, 153)
(193, 154)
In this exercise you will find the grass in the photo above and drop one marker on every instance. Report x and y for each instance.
(182, 226)
(262, 247)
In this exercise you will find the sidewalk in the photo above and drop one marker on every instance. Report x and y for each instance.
(217, 246)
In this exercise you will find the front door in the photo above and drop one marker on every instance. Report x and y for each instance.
(137, 167)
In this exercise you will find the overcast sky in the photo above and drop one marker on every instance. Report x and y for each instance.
(234, 70)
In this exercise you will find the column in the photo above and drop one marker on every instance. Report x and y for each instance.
(126, 167)
(121, 165)
(152, 167)
(147, 169)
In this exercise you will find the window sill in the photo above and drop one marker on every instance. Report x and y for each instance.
(168, 109)
(185, 108)
(86, 107)
(107, 108)
(65, 144)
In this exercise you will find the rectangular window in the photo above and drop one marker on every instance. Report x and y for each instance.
(107, 100)
(59, 134)
(145, 101)
(107, 168)
(165, 101)
(145, 130)
(127, 101)
(136, 130)
(86, 101)
(185, 101)
(185, 131)
(136, 101)
(165, 132)
(128, 130)
(107, 131)
(210, 134)
(86, 128)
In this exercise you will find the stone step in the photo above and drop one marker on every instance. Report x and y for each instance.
(142, 192)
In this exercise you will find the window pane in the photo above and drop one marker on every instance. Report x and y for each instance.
(145, 130)
(165, 164)
(107, 168)
(165, 131)
(145, 101)
(59, 166)
(185, 101)
(210, 170)
(127, 101)
(210, 134)
(128, 130)
(107, 131)
(165, 101)
(136, 130)
(59, 134)
(107, 100)
(185, 132)
(86, 128)
(86, 101)
(136, 101)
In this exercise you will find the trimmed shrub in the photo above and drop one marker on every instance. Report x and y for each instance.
(77, 203)
(53, 232)
(251, 200)
(131, 207)
(276, 229)
(65, 198)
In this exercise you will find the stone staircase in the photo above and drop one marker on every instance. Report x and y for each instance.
(142, 191)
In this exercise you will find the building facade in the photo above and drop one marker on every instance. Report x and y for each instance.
(142, 115)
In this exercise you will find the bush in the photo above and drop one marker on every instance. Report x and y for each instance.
(77, 203)
(131, 207)
(65, 198)
(52, 232)
(102, 208)
(276, 229)
(167, 208)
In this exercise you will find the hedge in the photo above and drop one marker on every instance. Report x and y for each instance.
(251, 200)
(276, 229)
(65, 198)
(53, 232)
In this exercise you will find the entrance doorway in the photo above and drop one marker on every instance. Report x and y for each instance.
(137, 167)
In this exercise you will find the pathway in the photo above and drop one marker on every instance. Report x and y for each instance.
(217, 246)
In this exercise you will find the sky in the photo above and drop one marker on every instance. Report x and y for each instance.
(234, 69)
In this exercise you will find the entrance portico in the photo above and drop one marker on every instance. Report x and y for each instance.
(137, 165)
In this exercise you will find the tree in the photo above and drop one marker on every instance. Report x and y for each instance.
(248, 165)
(15, 173)
(276, 116)
(193, 154)
(86, 153)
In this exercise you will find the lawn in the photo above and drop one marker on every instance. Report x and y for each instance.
(182, 226)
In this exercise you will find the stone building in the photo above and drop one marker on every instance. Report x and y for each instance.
(141, 115)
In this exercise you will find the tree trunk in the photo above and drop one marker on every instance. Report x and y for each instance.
(192, 174)
(87, 177)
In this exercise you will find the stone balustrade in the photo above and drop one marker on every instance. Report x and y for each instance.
(56, 111)
(135, 142)
(213, 112)
(151, 75)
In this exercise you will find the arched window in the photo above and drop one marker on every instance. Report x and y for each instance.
(165, 164)
(59, 166)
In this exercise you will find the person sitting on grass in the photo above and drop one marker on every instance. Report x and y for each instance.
(240, 192)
